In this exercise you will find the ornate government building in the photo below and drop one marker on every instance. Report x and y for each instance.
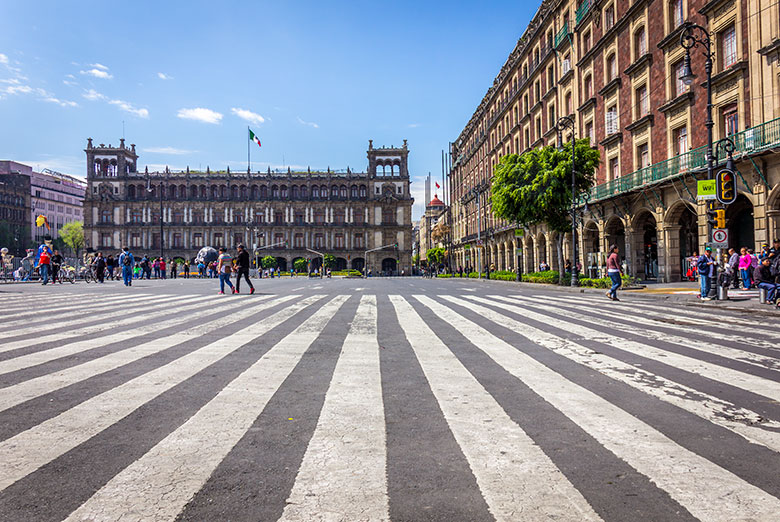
(284, 214)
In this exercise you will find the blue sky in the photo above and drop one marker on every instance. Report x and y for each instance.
(314, 80)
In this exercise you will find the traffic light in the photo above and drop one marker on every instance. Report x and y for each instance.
(726, 187)
(720, 218)
(712, 215)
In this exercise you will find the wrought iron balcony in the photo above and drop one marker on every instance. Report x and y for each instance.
(562, 35)
(583, 10)
(751, 141)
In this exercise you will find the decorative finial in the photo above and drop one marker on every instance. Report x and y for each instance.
(370, 144)
(89, 143)
(121, 143)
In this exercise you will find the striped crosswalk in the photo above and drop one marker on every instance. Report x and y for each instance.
(315, 406)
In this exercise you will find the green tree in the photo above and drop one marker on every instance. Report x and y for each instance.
(535, 188)
(416, 259)
(268, 262)
(329, 260)
(300, 265)
(73, 235)
(436, 255)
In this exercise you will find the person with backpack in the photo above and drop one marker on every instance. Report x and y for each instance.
(224, 267)
(146, 267)
(707, 269)
(242, 269)
(127, 262)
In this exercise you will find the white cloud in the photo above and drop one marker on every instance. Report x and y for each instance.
(164, 76)
(15, 88)
(3, 58)
(414, 125)
(200, 114)
(251, 117)
(97, 73)
(309, 123)
(99, 66)
(61, 103)
(168, 150)
(93, 95)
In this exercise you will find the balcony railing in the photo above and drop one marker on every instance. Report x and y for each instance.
(562, 35)
(583, 9)
(751, 141)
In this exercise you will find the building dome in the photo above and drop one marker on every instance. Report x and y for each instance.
(436, 202)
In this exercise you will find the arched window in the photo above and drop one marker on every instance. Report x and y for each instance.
(223, 192)
(611, 67)
(353, 191)
(324, 191)
(254, 192)
(194, 192)
(294, 192)
(283, 192)
(315, 191)
(304, 191)
(183, 191)
(588, 87)
(343, 191)
(244, 192)
(204, 192)
(234, 192)
(172, 192)
(131, 192)
(362, 191)
(640, 43)
(274, 192)
(264, 192)
(334, 191)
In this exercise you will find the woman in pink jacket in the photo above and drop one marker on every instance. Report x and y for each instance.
(745, 260)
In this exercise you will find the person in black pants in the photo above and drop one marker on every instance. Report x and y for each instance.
(100, 267)
(242, 268)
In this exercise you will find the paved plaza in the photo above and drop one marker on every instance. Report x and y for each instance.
(382, 399)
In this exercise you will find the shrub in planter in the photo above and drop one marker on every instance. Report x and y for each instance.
(444, 276)
(474, 275)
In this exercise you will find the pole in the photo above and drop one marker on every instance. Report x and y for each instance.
(248, 159)
(162, 238)
(575, 277)
(479, 237)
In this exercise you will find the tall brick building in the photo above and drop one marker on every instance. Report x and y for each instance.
(278, 213)
(615, 67)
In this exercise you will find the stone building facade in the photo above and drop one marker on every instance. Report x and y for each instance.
(14, 213)
(615, 67)
(281, 214)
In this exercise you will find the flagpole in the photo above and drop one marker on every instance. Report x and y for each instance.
(248, 157)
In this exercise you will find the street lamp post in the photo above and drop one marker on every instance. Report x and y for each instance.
(689, 39)
(564, 123)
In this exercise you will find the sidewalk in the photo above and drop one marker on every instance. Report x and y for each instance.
(684, 293)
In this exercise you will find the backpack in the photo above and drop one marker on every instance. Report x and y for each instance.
(126, 259)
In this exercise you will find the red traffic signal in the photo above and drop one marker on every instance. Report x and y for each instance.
(726, 187)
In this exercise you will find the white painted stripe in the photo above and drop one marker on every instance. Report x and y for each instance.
(715, 317)
(516, 478)
(735, 378)
(30, 389)
(69, 310)
(342, 476)
(182, 315)
(715, 346)
(27, 451)
(706, 490)
(746, 423)
(158, 485)
(33, 303)
(121, 316)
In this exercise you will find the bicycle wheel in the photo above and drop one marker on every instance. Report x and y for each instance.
(88, 277)
(70, 276)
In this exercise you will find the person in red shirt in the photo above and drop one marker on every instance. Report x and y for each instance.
(44, 264)
(615, 272)
(162, 268)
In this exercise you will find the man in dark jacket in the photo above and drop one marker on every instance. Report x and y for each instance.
(100, 267)
(242, 269)
(763, 277)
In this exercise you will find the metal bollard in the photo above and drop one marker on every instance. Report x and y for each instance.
(723, 293)
(762, 293)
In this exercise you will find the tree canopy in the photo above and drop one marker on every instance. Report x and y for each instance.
(268, 262)
(329, 260)
(300, 264)
(436, 255)
(72, 234)
(535, 187)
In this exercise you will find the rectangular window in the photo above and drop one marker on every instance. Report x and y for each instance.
(197, 240)
(679, 85)
(358, 241)
(105, 240)
(218, 239)
(609, 18)
(319, 240)
(177, 242)
(640, 43)
(298, 241)
(611, 67)
(680, 136)
(728, 45)
(677, 17)
(611, 121)
(338, 241)
(642, 102)
(589, 132)
(614, 168)
(135, 240)
(730, 120)
(586, 42)
(643, 155)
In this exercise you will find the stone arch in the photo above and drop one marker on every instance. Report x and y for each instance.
(615, 234)
(234, 193)
(193, 192)
(254, 192)
(131, 192)
(358, 263)
(741, 224)
(643, 260)
(341, 264)
(540, 245)
(773, 214)
(244, 192)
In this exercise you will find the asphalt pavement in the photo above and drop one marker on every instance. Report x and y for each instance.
(382, 399)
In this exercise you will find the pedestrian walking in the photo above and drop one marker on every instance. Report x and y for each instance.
(186, 268)
(224, 264)
(162, 268)
(706, 265)
(44, 263)
(56, 263)
(127, 262)
(615, 272)
(733, 263)
(744, 267)
(174, 268)
(242, 269)
(146, 267)
(100, 267)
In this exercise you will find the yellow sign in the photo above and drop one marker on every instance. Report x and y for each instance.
(705, 188)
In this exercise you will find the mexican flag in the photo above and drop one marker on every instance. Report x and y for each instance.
(254, 138)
